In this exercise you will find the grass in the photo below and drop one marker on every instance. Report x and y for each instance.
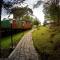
(47, 40)
(6, 42)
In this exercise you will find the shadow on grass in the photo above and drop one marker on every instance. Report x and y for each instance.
(5, 52)
(42, 55)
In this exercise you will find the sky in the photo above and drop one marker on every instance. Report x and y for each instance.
(38, 12)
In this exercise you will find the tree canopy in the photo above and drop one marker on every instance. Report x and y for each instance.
(52, 11)
(21, 11)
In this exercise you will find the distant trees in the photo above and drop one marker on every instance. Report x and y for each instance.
(36, 22)
(45, 22)
(52, 11)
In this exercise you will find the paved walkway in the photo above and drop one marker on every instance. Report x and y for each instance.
(25, 49)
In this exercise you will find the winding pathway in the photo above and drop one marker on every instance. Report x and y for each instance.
(25, 49)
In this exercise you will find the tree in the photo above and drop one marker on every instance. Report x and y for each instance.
(27, 17)
(18, 12)
(52, 11)
(7, 4)
(45, 22)
(36, 22)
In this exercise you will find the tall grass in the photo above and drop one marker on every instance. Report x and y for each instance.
(6, 41)
(47, 41)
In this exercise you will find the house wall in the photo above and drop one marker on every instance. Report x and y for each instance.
(27, 25)
(14, 25)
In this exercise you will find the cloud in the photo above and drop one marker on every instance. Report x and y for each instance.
(37, 4)
(38, 12)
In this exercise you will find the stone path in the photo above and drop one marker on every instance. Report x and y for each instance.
(25, 49)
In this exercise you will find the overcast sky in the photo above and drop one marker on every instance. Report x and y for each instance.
(38, 12)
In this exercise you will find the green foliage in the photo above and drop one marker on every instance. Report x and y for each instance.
(6, 42)
(47, 41)
(5, 24)
(52, 11)
(21, 11)
(36, 22)
(27, 17)
(45, 22)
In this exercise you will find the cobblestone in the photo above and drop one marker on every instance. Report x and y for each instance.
(25, 49)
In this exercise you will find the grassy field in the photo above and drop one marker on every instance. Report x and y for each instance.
(47, 40)
(6, 42)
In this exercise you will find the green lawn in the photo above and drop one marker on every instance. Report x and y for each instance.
(46, 40)
(6, 42)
